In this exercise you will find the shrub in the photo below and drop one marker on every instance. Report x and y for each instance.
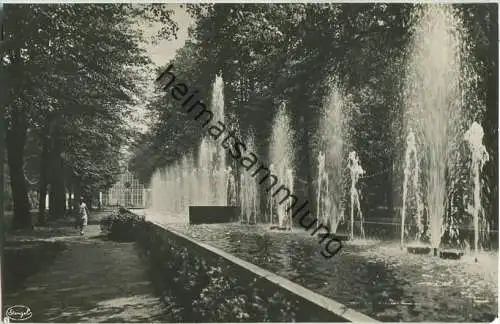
(207, 289)
(121, 225)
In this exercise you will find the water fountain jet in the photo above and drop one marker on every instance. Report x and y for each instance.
(249, 189)
(322, 195)
(412, 177)
(356, 172)
(435, 94)
(479, 156)
(231, 186)
(333, 134)
(188, 182)
(281, 156)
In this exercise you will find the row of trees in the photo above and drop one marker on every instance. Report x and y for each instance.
(73, 73)
(273, 52)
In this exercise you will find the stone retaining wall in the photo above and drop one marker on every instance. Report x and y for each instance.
(218, 286)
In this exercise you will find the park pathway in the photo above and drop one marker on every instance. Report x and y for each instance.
(88, 279)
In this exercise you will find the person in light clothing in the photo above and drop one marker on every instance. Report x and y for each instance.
(84, 215)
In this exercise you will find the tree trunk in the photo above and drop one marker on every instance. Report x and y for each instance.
(57, 197)
(69, 190)
(44, 180)
(16, 140)
(88, 201)
(42, 219)
(389, 189)
(77, 192)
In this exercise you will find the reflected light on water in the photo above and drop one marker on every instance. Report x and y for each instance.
(374, 277)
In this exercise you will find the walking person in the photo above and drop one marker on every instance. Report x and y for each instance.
(84, 215)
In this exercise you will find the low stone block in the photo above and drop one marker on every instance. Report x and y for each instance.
(418, 249)
(278, 228)
(335, 236)
(451, 254)
(213, 214)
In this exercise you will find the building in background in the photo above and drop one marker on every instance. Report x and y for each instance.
(127, 192)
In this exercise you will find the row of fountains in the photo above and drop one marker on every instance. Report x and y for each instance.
(436, 94)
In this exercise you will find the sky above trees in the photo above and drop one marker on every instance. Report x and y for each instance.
(164, 50)
(160, 51)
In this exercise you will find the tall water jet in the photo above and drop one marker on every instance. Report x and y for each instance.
(288, 205)
(219, 166)
(186, 182)
(356, 172)
(244, 200)
(205, 173)
(333, 135)
(233, 180)
(411, 190)
(271, 204)
(434, 95)
(322, 192)
(249, 190)
(231, 187)
(212, 158)
(193, 184)
(185, 189)
(281, 156)
(177, 183)
(479, 156)
(248, 198)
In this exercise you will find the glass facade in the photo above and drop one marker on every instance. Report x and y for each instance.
(127, 192)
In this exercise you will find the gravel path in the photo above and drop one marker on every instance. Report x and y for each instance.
(63, 277)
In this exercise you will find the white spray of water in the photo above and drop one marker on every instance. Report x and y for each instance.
(286, 210)
(412, 178)
(356, 172)
(206, 173)
(249, 192)
(188, 182)
(434, 99)
(220, 191)
(281, 156)
(231, 187)
(474, 137)
(333, 132)
(271, 204)
(323, 193)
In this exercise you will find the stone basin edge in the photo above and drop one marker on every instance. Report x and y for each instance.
(326, 303)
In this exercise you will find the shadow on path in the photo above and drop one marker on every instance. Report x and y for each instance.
(63, 277)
